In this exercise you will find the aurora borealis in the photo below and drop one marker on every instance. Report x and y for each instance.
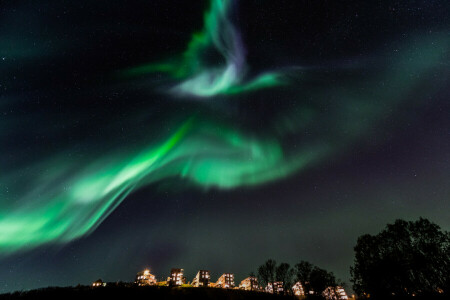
(201, 80)
(145, 118)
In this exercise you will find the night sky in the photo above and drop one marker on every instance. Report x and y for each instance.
(215, 134)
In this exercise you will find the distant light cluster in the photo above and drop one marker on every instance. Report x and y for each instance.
(225, 281)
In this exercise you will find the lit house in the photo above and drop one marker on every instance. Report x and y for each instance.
(98, 283)
(337, 293)
(298, 289)
(277, 287)
(226, 281)
(342, 295)
(201, 279)
(176, 277)
(145, 278)
(249, 284)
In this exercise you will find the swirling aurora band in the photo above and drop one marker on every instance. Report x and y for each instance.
(201, 80)
(89, 197)
(68, 200)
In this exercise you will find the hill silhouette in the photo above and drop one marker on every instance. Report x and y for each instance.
(149, 292)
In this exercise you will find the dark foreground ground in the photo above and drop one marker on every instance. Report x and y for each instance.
(86, 293)
(156, 293)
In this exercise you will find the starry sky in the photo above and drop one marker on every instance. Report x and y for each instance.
(215, 134)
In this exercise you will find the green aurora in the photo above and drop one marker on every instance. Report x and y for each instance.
(76, 206)
(67, 201)
(201, 80)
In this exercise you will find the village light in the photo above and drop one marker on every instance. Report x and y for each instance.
(145, 278)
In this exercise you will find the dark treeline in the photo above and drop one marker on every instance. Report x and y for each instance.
(406, 259)
(314, 280)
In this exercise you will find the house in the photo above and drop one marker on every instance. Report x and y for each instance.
(335, 293)
(98, 283)
(176, 277)
(277, 287)
(298, 289)
(145, 278)
(201, 279)
(249, 284)
(226, 281)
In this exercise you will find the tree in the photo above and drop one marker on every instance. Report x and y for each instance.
(406, 258)
(284, 273)
(303, 273)
(266, 272)
(314, 279)
(321, 279)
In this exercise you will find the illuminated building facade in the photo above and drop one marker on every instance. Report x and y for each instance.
(226, 281)
(342, 295)
(145, 278)
(176, 277)
(201, 279)
(277, 287)
(335, 293)
(298, 289)
(249, 284)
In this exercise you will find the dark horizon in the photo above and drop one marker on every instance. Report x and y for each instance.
(118, 155)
